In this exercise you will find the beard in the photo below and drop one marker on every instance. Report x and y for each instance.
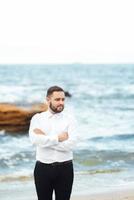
(56, 109)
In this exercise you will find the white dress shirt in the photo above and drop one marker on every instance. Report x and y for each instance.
(48, 148)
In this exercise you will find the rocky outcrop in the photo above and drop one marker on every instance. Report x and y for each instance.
(67, 94)
(15, 119)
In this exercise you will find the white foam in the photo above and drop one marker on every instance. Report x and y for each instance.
(2, 132)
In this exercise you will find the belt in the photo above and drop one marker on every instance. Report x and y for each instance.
(57, 163)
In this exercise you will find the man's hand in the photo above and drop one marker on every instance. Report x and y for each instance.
(63, 136)
(38, 131)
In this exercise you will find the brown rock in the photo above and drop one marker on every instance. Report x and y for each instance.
(16, 119)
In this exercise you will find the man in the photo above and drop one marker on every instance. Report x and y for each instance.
(54, 134)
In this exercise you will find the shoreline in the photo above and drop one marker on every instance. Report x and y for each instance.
(120, 194)
(29, 193)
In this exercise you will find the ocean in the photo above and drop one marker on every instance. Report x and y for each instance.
(103, 102)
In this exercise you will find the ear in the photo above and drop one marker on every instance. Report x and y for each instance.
(47, 99)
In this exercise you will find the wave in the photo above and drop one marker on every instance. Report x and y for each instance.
(125, 136)
(99, 171)
(10, 178)
(110, 143)
(29, 92)
(110, 150)
(28, 177)
(2, 132)
(21, 94)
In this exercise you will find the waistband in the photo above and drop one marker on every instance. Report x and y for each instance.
(56, 163)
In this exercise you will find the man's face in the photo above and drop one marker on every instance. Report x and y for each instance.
(56, 101)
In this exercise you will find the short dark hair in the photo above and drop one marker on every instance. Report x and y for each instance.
(54, 89)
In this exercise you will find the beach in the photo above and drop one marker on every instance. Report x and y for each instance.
(127, 194)
(25, 190)
(114, 194)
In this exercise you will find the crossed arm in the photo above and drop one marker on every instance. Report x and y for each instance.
(61, 137)
(64, 141)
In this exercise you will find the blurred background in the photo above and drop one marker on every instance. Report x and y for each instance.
(102, 98)
(86, 47)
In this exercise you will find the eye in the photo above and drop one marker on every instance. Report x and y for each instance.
(58, 99)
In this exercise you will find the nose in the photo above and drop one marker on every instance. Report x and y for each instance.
(61, 102)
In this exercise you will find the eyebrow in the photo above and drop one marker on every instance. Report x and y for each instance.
(59, 98)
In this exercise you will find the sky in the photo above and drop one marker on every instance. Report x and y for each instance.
(66, 31)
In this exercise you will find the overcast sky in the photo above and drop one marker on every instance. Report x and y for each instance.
(66, 31)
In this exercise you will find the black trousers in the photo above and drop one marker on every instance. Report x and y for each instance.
(53, 177)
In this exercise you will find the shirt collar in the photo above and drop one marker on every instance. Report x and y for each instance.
(50, 114)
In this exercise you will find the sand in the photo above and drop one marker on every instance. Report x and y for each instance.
(116, 194)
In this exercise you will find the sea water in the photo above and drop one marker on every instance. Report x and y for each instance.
(103, 102)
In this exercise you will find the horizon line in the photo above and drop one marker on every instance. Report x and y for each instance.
(74, 63)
